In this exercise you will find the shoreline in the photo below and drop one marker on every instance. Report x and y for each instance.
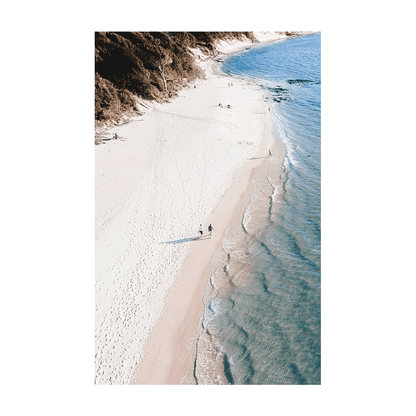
(178, 165)
(170, 350)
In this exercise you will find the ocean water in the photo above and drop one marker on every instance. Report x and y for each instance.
(262, 317)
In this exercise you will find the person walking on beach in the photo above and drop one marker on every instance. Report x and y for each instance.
(210, 229)
(270, 153)
(200, 230)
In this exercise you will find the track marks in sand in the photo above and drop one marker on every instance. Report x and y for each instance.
(210, 120)
(161, 184)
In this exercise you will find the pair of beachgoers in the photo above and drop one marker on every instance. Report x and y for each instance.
(210, 230)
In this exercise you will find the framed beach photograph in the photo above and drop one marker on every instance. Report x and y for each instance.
(199, 215)
(209, 208)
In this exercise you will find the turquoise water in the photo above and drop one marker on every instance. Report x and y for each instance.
(262, 318)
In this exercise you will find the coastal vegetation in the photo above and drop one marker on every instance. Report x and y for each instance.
(148, 66)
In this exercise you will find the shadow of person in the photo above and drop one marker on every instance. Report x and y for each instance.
(185, 240)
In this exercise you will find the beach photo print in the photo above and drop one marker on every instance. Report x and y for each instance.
(209, 208)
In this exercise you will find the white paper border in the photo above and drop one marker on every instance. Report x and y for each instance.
(328, 390)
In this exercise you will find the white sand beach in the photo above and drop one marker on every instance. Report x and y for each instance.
(179, 165)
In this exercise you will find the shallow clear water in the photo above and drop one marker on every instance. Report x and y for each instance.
(262, 318)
